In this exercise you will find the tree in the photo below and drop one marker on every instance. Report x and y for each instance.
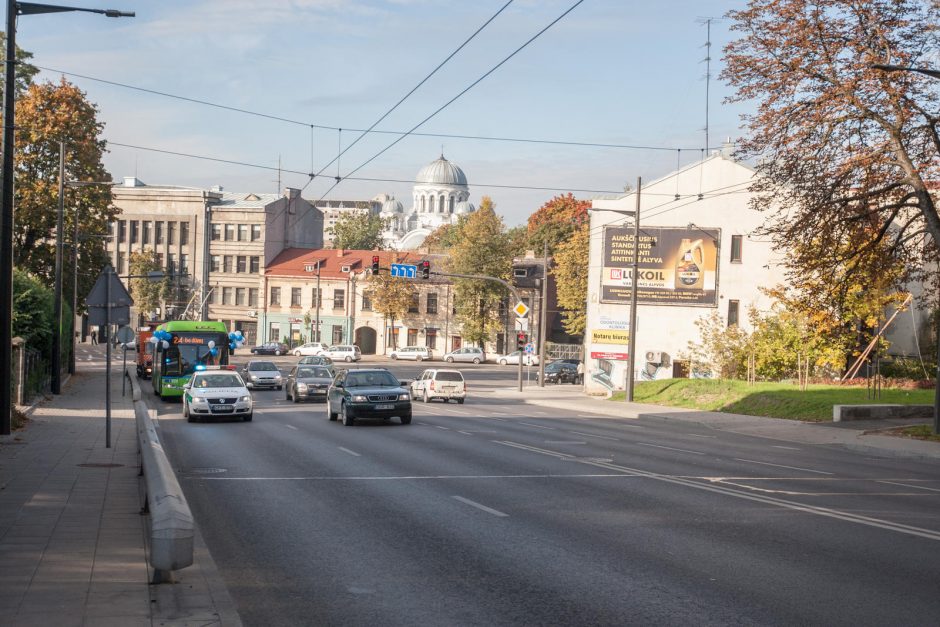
(444, 237)
(571, 263)
(722, 351)
(148, 295)
(556, 221)
(391, 297)
(482, 248)
(33, 311)
(840, 146)
(46, 114)
(24, 70)
(358, 231)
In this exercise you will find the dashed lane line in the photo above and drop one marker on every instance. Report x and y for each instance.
(752, 461)
(670, 448)
(346, 450)
(488, 510)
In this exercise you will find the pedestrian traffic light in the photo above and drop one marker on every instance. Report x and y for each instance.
(375, 264)
(425, 269)
(521, 340)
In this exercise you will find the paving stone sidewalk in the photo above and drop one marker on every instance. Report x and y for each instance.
(73, 543)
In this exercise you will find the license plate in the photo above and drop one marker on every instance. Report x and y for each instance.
(384, 407)
(223, 407)
(317, 391)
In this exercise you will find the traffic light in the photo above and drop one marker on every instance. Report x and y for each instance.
(375, 264)
(521, 340)
(425, 269)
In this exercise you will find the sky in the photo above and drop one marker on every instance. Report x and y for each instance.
(622, 72)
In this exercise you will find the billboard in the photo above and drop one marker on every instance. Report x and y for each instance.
(677, 266)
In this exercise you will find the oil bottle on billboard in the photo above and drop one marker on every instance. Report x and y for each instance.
(690, 264)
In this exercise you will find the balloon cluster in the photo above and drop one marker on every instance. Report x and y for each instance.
(213, 350)
(235, 340)
(161, 337)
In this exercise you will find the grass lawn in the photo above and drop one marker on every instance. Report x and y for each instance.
(777, 400)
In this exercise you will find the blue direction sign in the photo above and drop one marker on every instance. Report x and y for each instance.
(407, 271)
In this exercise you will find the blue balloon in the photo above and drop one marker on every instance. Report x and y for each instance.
(214, 351)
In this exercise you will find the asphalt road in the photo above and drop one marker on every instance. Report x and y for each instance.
(495, 513)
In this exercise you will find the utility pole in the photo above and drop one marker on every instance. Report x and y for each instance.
(57, 299)
(543, 309)
(634, 280)
(74, 341)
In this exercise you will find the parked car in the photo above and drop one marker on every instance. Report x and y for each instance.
(561, 372)
(311, 348)
(367, 393)
(271, 348)
(262, 374)
(344, 352)
(306, 383)
(216, 392)
(470, 354)
(513, 358)
(442, 383)
(417, 353)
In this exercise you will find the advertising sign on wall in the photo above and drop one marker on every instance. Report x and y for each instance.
(677, 266)
(610, 336)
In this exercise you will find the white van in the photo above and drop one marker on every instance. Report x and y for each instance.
(416, 353)
(344, 352)
(441, 383)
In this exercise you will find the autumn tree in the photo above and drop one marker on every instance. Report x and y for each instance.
(556, 221)
(570, 270)
(358, 231)
(482, 248)
(845, 154)
(391, 297)
(148, 295)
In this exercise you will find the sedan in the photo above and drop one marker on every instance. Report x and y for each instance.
(561, 372)
(310, 348)
(368, 393)
(216, 392)
(270, 348)
(530, 359)
(306, 383)
(262, 374)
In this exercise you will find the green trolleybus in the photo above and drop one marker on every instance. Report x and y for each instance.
(190, 348)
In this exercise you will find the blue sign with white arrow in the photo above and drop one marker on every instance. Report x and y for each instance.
(404, 270)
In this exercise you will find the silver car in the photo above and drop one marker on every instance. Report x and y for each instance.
(306, 383)
(469, 354)
(262, 374)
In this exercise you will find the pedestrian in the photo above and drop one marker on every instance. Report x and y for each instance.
(94, 336)
(580, 372)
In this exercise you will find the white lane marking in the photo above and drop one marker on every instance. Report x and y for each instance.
(907, 485)
(565, 442)
(486, 509)
(292, 427)
(699, 435)
(786, 448)
(751, 461)
(529, 424)
(669, 448)
(591, 435)
(414, 477)
(443, 428)
(465, 432)
(346, 450)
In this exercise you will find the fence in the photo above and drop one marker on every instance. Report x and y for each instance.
(32, 374)
(563, 351)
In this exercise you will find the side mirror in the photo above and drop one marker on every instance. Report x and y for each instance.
(405, 382)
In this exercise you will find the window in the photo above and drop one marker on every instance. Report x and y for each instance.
(366, 301)
(736, 242)
(240, 296)
(254, 265)
(135, 226)
(119, 262)
(212, 298)
(184, 263)
(732, 313)
(226, 296)
(122, 230)
(171, 233)
(241, 264)
(413, 306)
(412, 337)
(215, 263)
(145, 239)
(216, 232)
(295, 297)
(432, 303)
(255, 232)
(227, 263)
(171, 263)
(317, 295)
(229, 232)
(275, 296)
(274, 331)
(184, 233)
(158, 232)
(339, 299)
(337, 334)
(252, 296)
(242, 232)
(430, 338)
(160, 259)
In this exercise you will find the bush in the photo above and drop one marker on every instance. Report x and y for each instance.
(905, 368)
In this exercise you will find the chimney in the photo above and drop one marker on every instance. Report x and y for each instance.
(340, 252)
(133, 181)
(727, 149)
(530, 254)
(291, 193)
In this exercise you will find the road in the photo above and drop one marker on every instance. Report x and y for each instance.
(496, 513)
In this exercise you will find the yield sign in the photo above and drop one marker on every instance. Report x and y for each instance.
(521, 309)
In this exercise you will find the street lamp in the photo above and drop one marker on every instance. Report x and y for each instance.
(6, 194)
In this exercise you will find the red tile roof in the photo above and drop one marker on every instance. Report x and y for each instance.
(292, 261)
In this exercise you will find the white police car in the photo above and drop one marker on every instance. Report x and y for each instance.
(216, 391)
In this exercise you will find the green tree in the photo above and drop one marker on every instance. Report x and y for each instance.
(444, 237)
(391, 297)
(556, 221)
(722, 351)
(481, 248)
(24, 70)
(570, 270)
(148, 295)
(33, 311)
(358, 231)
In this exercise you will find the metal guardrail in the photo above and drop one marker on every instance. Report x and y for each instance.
(172, 528)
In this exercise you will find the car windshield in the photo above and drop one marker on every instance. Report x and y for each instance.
(262, 365)
(369, 379)
(449, 376)
(555, 367)
(217, 381)
(314, 373)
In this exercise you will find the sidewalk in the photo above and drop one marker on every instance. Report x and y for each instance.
(856, 435)
(72, 539)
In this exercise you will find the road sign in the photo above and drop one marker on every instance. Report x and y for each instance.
(407, 271)
(107, 287)
(530, 348)
(521, 309)
(522, 324)
(125, 334)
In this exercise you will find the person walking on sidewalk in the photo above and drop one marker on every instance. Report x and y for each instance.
(580, 372)
(94, 336)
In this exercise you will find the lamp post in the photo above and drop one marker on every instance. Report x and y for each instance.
(6, 193)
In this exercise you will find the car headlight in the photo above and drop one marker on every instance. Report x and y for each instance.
(404, 397)
(278, 377)
(199, 400)
(245, 399)
(359, 398)
(301, 387)
(254, 377)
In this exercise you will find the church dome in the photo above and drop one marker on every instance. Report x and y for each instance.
(392, 206)
(441, 172)
(464, 206)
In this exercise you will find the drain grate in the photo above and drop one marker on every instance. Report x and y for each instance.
(206, 471)
(100, 465)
